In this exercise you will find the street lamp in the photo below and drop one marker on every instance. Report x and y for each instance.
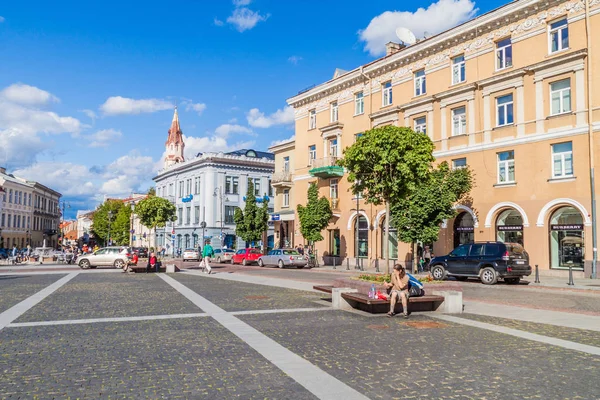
(109, 221)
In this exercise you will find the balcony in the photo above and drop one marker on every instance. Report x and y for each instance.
(326, 168)
(282, 179)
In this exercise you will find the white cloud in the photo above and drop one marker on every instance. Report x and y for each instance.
(277, 142)
(226, 129)
(27, 95)
(218, 22)
(104, 137)
(91, 114)
(294, 59)
(257, 119)
(437, 18)
(2, 19)
(198, 107)
(244, 19)
(118, 105)
(67, 178)
(207, 144)
(241, 3)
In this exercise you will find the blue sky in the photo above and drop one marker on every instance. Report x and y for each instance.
(87, 89)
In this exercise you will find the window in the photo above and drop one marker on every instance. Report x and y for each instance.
(560, 97)
(459, 121)
(562, 160)
(8, 221)
(188, 190)
(333, 148)
(28, 222)
(229, 212)
(558, 35)
(3, 220)
(359, 103)
(312, 154)
(506, 167)
(387, 94)
(476, 250)
(171, 189)
(286, 197)
(181, 183)
(196, 215)
(286, 164)
(179, 216)
(504, 110)
(333, 188)
(358, 136)
(270, 189)
(333, 114)
(421, 125)
(188, 215)
(459, 163)
(312, 119)
(257, 186)
(460, 251)
(10, 195)
(231, 184)
(197, 185)
(458, 70)
(420, 87)
(504, 54)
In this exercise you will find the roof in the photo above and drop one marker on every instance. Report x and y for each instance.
(250, 153)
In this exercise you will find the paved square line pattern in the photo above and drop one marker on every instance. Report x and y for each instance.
(312, 378)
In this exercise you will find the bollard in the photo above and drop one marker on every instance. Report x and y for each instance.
(347, 264)
(333, 262)
(571, 283)
(537, 274)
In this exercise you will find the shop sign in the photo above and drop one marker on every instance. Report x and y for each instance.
(510, 228)
(567, 227)
(276, 217)
(465, 229)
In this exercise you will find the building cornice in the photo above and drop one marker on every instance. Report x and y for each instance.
(278, 148)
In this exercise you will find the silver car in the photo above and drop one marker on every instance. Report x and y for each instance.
(222, 255)
(283, 258)
(191, 255)
(116, 256)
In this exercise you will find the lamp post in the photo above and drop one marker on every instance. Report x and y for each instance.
(109, 221)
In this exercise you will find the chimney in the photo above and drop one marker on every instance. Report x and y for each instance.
(391, 48)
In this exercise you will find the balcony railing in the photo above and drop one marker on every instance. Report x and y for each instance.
(283, 178)
(324, 162)
(326, 168)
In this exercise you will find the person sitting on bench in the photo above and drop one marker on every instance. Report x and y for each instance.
(152, 263)
(399, 286)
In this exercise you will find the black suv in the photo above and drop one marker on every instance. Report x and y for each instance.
(142, 252)
(487, 261)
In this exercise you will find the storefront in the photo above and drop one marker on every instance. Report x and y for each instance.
(363, 237)
(509, 227)
(567, 247)
(464, 229)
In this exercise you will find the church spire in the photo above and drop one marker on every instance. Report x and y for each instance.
(174, 145)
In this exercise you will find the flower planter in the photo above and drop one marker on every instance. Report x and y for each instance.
(364, 286)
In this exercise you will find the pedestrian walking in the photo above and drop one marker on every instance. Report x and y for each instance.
(207, 253)
(300, 249)
(427, 257)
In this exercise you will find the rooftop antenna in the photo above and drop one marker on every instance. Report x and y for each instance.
(406, 36)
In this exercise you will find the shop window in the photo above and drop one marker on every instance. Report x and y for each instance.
(363, 237)
(509, 227)
(464, 230)
(567, 248)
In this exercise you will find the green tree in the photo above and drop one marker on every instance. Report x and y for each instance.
(418, 216)
(251, 223)
(387, 164)
(154, 212)
(119, 222)
(152, 191)
(315, 216)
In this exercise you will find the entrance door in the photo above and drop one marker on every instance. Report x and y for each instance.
(464, 230)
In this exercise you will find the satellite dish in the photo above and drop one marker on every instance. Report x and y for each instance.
(406, 36)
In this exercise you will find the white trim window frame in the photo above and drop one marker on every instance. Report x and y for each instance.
(286, 164)
(558, 36)
(333, 188)
(504, 54)
(458, 70)
(386, 94)
(562, 160)
(420, 83)
(459, 121)
(333, 148)
(459, 163)
(359, 103)
(505, 110)
(312, 154)
(312, 119)
(286, 198)
(421, 125)
(506, 167)
(560, 97)
(334, 112)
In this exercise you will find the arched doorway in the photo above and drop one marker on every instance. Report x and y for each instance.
(363, 236)
(509, 226)
(392, 241)
(464, 230)
(567, 247)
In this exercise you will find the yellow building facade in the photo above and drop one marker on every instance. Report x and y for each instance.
(506, 94)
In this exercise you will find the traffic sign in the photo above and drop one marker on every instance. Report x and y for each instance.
(172, 237)
(202, 225)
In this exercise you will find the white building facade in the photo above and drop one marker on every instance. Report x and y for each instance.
(17, 211)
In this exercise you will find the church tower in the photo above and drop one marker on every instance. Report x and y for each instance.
(174, 144)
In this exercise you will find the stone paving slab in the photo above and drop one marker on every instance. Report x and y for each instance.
(16, 288)
(110, 296)
(424, 358)
(191, 358)
(591, 338)
(240, 296)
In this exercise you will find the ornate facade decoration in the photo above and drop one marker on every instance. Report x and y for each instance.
(174, 145)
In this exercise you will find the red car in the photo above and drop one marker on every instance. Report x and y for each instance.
(246, 256)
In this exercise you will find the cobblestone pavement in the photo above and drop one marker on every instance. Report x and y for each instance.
(591, 338)
(391, 358)
(192, 358)
(16, 288)
(239, 296)
(109, 295)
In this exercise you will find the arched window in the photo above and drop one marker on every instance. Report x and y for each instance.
(567, 247)
(464, 230)
(363, 236)
(509, 227)
(187, 241)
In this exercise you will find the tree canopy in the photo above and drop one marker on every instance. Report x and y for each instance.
(154, 212)
(119, 223)
(252, 222)
(315, 216)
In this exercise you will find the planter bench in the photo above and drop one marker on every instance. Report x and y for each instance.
(323, 288)
(363, 302)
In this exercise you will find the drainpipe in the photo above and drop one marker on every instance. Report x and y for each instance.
(591, 135)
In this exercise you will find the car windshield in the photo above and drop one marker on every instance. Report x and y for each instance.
(291, 253)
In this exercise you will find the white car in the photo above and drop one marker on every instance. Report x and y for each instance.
(222, 255)
(283, 258)
(114, 256)
(191, 255)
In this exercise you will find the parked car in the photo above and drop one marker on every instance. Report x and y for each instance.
(142, 252)
(191, 255)
(283, 258)
(116, 256)
(246, 256)
(222, 255)
(488, 261)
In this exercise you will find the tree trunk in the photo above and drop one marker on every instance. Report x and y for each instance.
(386, 238)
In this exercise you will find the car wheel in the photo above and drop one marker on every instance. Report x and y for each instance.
(119, 264)
(488, 276)
(219, 260)
(438, 273)
(461, 278)
(261, 263)
(244, 262)
(512, 281)
(84, 264)
(280, 264)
